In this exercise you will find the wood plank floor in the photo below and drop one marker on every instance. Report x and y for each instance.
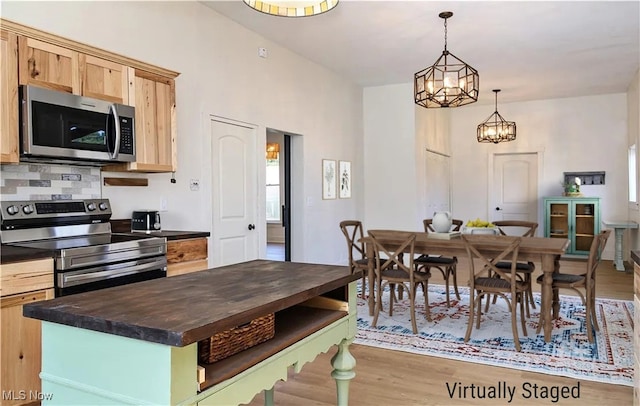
(385, 377)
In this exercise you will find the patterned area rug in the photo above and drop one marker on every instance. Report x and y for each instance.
(609, 359)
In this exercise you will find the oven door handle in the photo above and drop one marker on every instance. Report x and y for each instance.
(97, 274)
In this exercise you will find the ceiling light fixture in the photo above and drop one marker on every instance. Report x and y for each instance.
(273, 149)
(496, 129)
(299, 8)
(449, 82)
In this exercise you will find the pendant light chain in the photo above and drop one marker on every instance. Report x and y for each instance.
(445, 34)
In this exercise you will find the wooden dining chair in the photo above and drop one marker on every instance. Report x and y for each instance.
(524, 270)
(482, 281)
(352, 230)
(584, 284)
(446, 265)
(391, 270)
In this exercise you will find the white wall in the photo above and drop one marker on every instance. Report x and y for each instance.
(573, 134)
(222, 75)
(390, 175)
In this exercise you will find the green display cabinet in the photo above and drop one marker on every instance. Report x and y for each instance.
(575, 218)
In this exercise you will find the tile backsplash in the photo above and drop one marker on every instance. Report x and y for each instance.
(28, 181)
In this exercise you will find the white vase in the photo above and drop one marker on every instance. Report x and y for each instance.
(441, 221)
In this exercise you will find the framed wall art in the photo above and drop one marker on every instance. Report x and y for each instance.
(329, 175)
(344, 179)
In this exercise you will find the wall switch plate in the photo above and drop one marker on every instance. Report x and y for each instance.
(164, 204)
(263, 53)
(194, 184)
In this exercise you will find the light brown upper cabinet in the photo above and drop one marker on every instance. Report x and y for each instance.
(9, 97)
(37, 58)
(46, 65)
(155, 105)
(106, 80)
(54, 67)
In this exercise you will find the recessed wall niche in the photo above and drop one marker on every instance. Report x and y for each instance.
(586, 178)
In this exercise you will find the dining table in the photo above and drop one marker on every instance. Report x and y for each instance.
(547, 251)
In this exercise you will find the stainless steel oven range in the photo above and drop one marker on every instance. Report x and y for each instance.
(88, 256)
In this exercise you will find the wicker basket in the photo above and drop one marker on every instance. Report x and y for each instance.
(229, 342)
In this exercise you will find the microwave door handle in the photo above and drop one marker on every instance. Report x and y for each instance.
(116, 120)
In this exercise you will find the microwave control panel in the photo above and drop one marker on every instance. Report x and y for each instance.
(126, 135)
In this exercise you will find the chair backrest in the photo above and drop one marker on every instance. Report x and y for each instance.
(595, 253)
(510, 247)
(517, 227)
(352, 230)
(428, 228)
(391, 254)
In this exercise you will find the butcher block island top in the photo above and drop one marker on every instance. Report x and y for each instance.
(182, 310)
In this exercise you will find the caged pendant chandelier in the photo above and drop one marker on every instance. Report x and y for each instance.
(450, 82)
(496, 129)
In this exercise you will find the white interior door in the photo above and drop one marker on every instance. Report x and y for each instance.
(438, 180)
(235, 192)
(515, 187)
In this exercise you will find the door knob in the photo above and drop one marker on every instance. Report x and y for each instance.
(498, 208)
(251, 226)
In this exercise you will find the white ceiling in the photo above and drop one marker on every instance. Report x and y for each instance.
(531, 50)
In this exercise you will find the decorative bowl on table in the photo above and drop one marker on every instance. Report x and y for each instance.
(478, 226)
(480, 230)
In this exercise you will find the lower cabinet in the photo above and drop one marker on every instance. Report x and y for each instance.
(575, 218)
(20, 336)
(185, 256)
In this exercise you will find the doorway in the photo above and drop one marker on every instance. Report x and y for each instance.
(278, 195)
(513, 188)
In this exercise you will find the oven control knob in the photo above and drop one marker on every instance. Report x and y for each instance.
(12, 210)
(103, 206)
(91, 206)
(28, 209)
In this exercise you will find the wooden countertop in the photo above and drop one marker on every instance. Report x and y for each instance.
(124, 226)
(172, 235)
(184, 309)
(9, 254)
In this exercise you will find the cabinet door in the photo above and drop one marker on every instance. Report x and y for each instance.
(558, 219)
(47, 65)
(9, 136)
(155, 111)
(185, 256)
(154, 100)
(105, 80)
(20, 346)
(585, 225)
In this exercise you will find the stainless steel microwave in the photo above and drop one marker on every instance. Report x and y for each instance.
(62, 127)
